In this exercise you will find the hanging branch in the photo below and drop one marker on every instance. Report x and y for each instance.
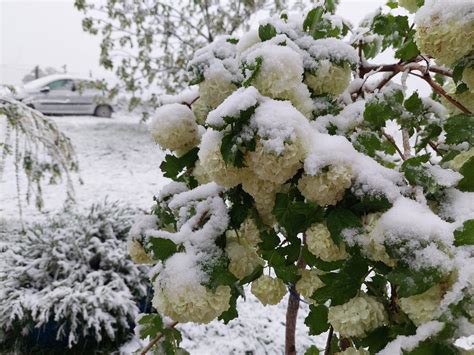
(156, 340)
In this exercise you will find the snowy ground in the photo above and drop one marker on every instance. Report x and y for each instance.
(119, 161)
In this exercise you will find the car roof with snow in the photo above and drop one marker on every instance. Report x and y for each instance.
(38, 83)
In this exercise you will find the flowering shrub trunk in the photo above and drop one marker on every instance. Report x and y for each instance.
(299, 168)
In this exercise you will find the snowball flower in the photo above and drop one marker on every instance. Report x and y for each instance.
(276, 168)
(193, 303)
(445, 36)
(320, 244)
(300, 98)
(468, 78)
(264, 194)
(326, 188)
(200, 110)
(137, 253)
(213, 163)
(329, 78)
(410, 5)
(249, 232)
(466, 98)
(281, 69)
(174, 127)
(215, 89)
(243, 257)
(200, 174)
(358, 317)
(308, 283)
(268, 290)
(460, 159)
(420, 308)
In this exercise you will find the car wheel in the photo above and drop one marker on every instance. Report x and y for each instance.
(103, 111)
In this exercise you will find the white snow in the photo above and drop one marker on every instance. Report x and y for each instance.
(408, 343)
(434, 11)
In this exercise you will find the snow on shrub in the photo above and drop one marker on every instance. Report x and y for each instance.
(297, 187)
(68, 283)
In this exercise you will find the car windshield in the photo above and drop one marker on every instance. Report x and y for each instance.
(64, 84)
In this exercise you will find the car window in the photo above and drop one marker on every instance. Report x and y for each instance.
(63, 84)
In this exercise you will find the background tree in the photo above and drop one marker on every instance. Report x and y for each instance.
(148, 43)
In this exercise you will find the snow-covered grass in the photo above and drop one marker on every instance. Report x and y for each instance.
(119, 159)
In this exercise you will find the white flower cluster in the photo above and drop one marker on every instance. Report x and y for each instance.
(217, 67)
(466, 98)
(174, 127)
(241, 249)
(268, 290)
(468, 78)
(213, 163)
(460, 159)
(192, 303)
(138, 253)
(329, 78)
(308, 283)
(371, 246)
(445, 35)
(320, 244)
(275, 168)
(421, 308)
(358, 317)
(328, 187)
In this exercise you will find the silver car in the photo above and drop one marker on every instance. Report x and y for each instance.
(64, 95)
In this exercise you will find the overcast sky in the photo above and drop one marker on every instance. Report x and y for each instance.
(49, 33)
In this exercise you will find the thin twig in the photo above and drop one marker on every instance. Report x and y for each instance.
(392, 141)
(156, 340)
(327, 351)
(406, 143)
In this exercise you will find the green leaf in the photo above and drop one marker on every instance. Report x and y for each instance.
(150, 325)
(467, 182)
(375, 340)
(253, 276)
(460, 129)
(266, 32)
(241, 203)
(414, 104)
(465, 235)
(314, 261)
(174, 167)
(368, 143)
(219, 274)
(408, 51)
(392, 4)
(375, 114)
(231, 312)
(287, 273)
(317, 319)
(411, 282)
(431, 347)
(311, 20)
(312, 350)
(418, 174)
(430, 132)
(162, 248)
(339, 219)
(341, 286)
(295, 216)
(461, 88)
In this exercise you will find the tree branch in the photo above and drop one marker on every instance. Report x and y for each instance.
(392, 141)
(156, 340)
(327, 351)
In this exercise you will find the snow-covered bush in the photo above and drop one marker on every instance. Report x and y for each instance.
(67, 284)
(317, 177)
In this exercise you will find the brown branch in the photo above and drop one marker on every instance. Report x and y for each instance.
(406, 143)
(439, 89)
(156, 340)
(292, 312)
(327, 351)
(392, 141)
